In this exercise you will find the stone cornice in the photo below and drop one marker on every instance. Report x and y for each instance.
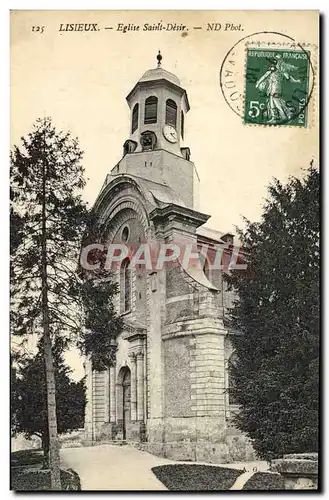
(177, 213)
(133, 331)
(159, 83)
(131, 336)
(198, 326)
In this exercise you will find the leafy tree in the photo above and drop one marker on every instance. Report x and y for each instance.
(276, 316)
(47, 223)
(29, 397)
(102, 323)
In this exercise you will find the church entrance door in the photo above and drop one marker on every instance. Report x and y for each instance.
(126, 392)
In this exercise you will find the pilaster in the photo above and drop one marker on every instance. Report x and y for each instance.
(112, 394)
(89, 397)
(133, 382)
(140, 385)
(107, 395)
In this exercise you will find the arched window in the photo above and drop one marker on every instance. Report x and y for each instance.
(182, 124)
(171, 113)
(125, 234)
(151, 109)
(125, 286)
(230, 380)
(206, 269)
(134, 121)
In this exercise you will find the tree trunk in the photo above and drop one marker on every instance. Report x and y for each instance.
(54, 463)
(45, 448)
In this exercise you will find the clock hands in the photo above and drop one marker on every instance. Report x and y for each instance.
(170, 133)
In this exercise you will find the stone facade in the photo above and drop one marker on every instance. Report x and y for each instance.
(168, 387)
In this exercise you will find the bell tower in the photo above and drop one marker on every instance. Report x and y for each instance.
(158, 107)
(155, 148)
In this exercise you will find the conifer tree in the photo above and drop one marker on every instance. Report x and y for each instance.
(51, 295)
(29, 397)
(47, 223)
(276, 317)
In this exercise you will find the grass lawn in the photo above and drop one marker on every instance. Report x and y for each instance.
(265, 481)
(27, 473)
(190, 477)
(26, 458)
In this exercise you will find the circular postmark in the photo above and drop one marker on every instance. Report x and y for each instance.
(267, 78)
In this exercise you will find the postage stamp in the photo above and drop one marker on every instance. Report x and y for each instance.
(276, 87)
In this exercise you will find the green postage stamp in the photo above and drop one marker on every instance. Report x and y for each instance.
(276, 87)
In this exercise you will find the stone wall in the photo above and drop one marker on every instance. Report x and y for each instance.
(165, 168)
(139, 273)
(299, 470)
(199, 439)
(177, 387)
(195, 424)
(99, 398)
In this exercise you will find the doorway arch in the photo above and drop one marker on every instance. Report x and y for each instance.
(124, 399)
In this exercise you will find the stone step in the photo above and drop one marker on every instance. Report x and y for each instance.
(116, 442)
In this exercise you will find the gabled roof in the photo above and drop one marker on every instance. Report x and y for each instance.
(210, 233)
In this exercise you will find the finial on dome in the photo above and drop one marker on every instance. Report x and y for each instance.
(159, 58)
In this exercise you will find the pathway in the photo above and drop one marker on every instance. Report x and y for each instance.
(111, 467)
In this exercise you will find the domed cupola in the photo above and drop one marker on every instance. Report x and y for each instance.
(159, 74)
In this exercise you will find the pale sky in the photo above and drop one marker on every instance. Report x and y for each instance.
(81, 81)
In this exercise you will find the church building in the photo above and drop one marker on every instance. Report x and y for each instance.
(168, 388)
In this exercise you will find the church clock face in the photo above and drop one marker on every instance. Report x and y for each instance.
(170, 133)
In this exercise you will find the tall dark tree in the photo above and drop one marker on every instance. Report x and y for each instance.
(51, 295)
(47, 218)
(276, 317)
(29, 397)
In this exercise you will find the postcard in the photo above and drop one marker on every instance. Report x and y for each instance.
(164, 250)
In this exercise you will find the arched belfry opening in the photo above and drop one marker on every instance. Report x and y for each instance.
(171, 113)
(134, 121)
(151, 110)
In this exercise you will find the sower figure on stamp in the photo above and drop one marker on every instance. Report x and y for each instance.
(271, 84)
